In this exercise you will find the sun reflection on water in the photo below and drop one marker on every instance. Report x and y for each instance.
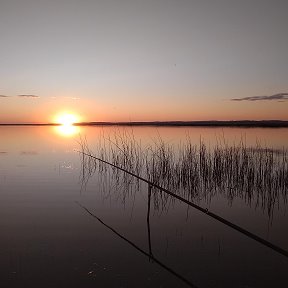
(67, 130)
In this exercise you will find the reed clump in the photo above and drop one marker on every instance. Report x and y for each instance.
(255, 174)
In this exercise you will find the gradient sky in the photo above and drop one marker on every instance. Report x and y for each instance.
(134, 60)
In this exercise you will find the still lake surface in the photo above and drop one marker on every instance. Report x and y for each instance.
(49, 239)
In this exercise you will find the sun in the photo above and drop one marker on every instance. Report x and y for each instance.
(67, 119)
(66, 123)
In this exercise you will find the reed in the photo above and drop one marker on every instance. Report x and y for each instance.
(257, 174)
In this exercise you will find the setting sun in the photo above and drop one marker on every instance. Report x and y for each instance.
(67, 119)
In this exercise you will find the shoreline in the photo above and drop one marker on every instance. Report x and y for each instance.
(241, 123)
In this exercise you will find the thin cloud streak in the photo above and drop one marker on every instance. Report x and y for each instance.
(28, 96)
(281, 97)
(73, 98)
(4, 96)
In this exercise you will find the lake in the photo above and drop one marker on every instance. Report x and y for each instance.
(65, 226)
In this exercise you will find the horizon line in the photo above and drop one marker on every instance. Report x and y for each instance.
(215, 123)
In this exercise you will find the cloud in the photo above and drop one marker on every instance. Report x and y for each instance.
(73, 98)
(4, 96)
(28, 152)
(281, 97)
(28, 96)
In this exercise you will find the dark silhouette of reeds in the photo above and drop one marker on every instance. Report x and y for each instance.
(162, 191)
(258, 175)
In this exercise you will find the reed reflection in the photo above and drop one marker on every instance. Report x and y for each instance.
(149, 254)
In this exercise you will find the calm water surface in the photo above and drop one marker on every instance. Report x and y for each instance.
(49, 239)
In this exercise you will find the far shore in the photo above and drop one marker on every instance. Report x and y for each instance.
(241, 123)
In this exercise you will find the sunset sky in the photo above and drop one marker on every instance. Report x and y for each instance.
(143, 60)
